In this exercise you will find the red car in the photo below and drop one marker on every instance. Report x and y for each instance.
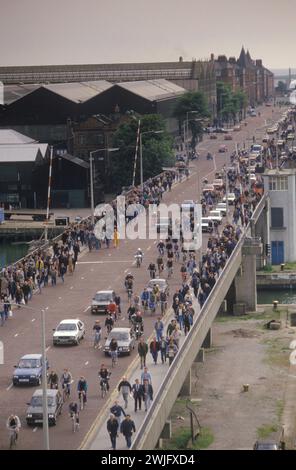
(222, 149)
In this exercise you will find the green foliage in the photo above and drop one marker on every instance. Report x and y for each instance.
(157, 150)
(266, 430)
(267, 268)
(282, 87)
(204, 440)
(192, 101)
(179, 439)
(230, 104)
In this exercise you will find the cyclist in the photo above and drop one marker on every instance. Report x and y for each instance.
(113, 349)
(159, 263)
(145, 298)
(109, 323)
(104, 375)
(13, 425)
(82, 389)
(129, 281)
(160, 248)
(53, 380)
(131, 311)
(112, 309)
(98, 332)
(137, 319)
(139, 257)
(74, 410)
(66, 380)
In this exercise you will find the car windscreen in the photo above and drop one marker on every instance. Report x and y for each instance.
(119, 336)
(67, 327)
(103, 297)
(29, 363)
(159, 283)
(37, 401)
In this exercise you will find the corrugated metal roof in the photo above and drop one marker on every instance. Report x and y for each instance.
(19, 153)
(15, 92)
(10, 136)
(79, 92)
(76, 160)
(153, 90)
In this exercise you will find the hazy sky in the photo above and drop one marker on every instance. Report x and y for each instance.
(34, 32)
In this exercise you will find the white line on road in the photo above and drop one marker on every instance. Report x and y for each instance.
(123, 319)
(154, 243)
(47, 349)
(71, 287)
(86, 363)
(10, 386)
(33, 319)
(35, 429)
(149, 248)
(87, 308)
(82, 278)
(16, 335)
(126, 270)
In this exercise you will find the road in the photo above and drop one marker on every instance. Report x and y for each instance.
(104, 269)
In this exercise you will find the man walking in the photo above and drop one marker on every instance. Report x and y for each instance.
(142, 350)
(148, 393)
(117, 411)
(112, 428)
(154, 348)
(158, 326)
(125, 388)
(127, 428)
(137, 390)
(146, 376)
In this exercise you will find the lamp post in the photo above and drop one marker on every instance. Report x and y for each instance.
(141, 155)
(92, 202)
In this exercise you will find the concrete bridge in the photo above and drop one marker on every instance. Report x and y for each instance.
(237, 283)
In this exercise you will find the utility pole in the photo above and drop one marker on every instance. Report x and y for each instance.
(48, 194)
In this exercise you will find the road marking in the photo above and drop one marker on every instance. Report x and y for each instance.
(82, 278)
(126, 270)
(123, 319)
(149, 248)
(10, 386)
(47, 349)
(71, 287)
(86, 363)
(16, 335)
(35, 429)
(154, 243)
(109, 254)
(87, 308)
(60, 298)
(33, 319)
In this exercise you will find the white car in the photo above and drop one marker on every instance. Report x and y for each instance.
(231, 198)
(221, 207)
(125, 340)
(215, 216)
(69, 332)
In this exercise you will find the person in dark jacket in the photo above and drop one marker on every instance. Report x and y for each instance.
(148, 394)
(117, 411)
(125, 388)
(142, 350)
(138, 394)
(112, 428)
(154, 348)
(127, 428)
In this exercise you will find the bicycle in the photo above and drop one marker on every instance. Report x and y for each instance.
(13, 436)
(66, 390)
(104, 387)
(129, 295)
(114, 358)
(81, 397)
(75, 421)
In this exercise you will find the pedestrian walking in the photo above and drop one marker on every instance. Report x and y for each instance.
(127, 428)
(146, 376)
(163, 349)
(158, 326)
(147, 393)
(137, 391)
(117, 411)
(142, 350)
(171, 351)
(125, 388)
(112, 428)
(154, 348)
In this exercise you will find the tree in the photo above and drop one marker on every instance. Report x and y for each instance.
(192, 101)
(156, 149)
(281, 87)
(230, 103)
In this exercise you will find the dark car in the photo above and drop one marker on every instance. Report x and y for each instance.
(34, 414)
(101, 301)
(29, 370)
(265, 445)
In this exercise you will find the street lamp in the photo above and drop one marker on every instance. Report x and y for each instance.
(91, 179)
(141, 155)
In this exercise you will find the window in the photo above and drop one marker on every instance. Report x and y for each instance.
(277, 217)
(278, 183)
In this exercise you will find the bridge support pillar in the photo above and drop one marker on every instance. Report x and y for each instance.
(245, 280)
(200, 356)
(186, 387)
(207, 343)
(166, 433)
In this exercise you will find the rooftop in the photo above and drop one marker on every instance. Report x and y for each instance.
(153, 90)
(10, 136)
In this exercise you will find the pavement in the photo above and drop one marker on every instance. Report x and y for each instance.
(103, 269)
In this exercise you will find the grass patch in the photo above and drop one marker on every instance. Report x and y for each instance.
(264, 431)
(277, 353)
(204, 440)
(179, 439)
(268, 268)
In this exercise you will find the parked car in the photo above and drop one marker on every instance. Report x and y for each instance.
(162, 284)
(221, 207)
(222, 149)
(29, 370)
(101, 300)
(125, 340)
(218, 183)
(34, 414)
(253, 113)
(208, 188)
(69, 332)
(228, 137)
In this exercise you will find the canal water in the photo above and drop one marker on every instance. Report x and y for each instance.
(284, 296)
(10, 253)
